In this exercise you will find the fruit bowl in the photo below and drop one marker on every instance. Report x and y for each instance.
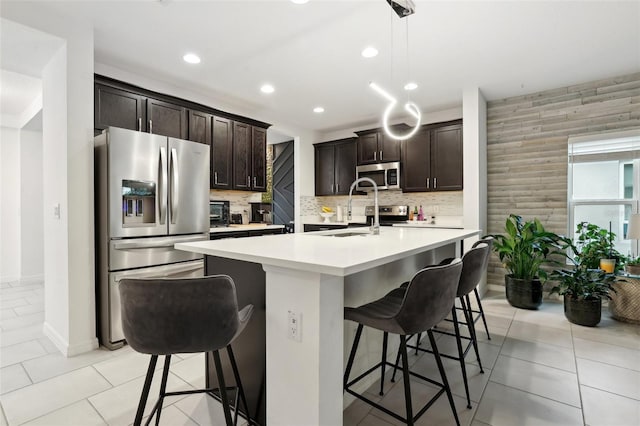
(327, 216)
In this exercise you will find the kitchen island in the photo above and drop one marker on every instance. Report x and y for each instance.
(313, 276)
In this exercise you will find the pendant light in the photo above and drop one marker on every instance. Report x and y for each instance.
(410, 107)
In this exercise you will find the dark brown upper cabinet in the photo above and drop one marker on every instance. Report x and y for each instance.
(164, 118)
(432, 158)
(118, 108)
(200, 127)
(222, 154)
(258, 159)
(335, 166)
(374, 146)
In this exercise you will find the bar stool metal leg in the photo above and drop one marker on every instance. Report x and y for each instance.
(223, 388)
(385, 339)
(484, 319)
(240, 390)
(463, 366)
(352, 355)
(405, 379)
(163, 389)
(469, 319)
(443, 375)
(145, 390)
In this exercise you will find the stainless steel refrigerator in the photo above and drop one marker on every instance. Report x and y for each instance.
(151, 192)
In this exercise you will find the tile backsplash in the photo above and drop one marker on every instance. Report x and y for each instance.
(447, 203)
(238, 201)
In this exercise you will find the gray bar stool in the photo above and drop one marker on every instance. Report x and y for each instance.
(187, 315)
(480, 311)
(428, 298)
(474, 264)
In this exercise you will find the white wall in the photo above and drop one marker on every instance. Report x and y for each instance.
(68, 178)
(31, 207)
(9, 204)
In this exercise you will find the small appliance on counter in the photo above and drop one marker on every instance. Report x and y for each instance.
(236, 219)
(388, 215)
(261, 213)
(218, 213)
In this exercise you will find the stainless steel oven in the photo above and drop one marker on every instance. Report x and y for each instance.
(218, 213)
(385, 175)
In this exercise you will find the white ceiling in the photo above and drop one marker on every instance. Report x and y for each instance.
(311, 53)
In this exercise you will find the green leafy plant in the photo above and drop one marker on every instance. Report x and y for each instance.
(582, 282)
(594, 243)
(633, 261)
(526, 247)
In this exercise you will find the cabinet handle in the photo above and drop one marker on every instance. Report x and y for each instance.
(428, 182)
(332, 191)
(215, 178)
(150, 126)
(248, 181)
(337, 187)
(139, 124)
(375, 155)
(435, 183)
(380, 155)
(255, 181)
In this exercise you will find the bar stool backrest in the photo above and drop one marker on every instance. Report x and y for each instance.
(474, 263)
(429, 297)
(488, 241)
(163, 316)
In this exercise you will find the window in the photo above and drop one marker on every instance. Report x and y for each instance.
(604, 183)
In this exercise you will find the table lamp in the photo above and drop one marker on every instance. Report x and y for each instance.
(633, 232)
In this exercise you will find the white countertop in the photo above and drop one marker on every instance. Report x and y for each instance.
(323, 253)
(248, 227)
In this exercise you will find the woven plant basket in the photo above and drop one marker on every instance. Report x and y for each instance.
(625, 302)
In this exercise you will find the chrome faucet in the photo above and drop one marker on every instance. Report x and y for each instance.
(375, 228)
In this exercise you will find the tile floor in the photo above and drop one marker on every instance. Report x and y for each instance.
(539, 370)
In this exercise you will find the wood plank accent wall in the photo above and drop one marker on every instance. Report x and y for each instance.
(527, 148)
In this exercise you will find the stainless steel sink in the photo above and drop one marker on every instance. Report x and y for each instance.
(346, 234)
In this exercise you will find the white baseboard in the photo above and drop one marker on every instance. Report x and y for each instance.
(63, 345)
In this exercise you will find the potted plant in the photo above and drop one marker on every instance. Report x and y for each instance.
(594, 244)
(523, 250)
(632, 266)
(583, 289)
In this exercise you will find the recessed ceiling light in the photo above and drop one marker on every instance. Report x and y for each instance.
(369, 52)
(299, 1)
(191, 58)
(410, 86)
(267, 88)
(318, 110)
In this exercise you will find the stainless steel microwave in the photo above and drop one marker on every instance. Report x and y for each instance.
(385, 175)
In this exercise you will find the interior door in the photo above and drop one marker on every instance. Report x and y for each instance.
(188, 206)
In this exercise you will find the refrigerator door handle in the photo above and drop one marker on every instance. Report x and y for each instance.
(162, 182)
(163, 271)
(175, 184)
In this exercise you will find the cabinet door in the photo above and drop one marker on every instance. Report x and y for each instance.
(199, 127)
(166, 119)
(241, 156)
(259, 159)
(446, 162)
(368, 148)
(221, 153)
(345, 166)
(324, 168)
(388, 148)
(119, 108)
(416, 162)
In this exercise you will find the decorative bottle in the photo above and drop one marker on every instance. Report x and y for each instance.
(415, 212)
(420, 214)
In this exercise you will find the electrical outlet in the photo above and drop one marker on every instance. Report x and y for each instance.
(435, 209)
(56, 211)
(294, 326)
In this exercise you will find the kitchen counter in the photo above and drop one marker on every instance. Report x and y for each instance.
(314, 275)
(247, 227)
